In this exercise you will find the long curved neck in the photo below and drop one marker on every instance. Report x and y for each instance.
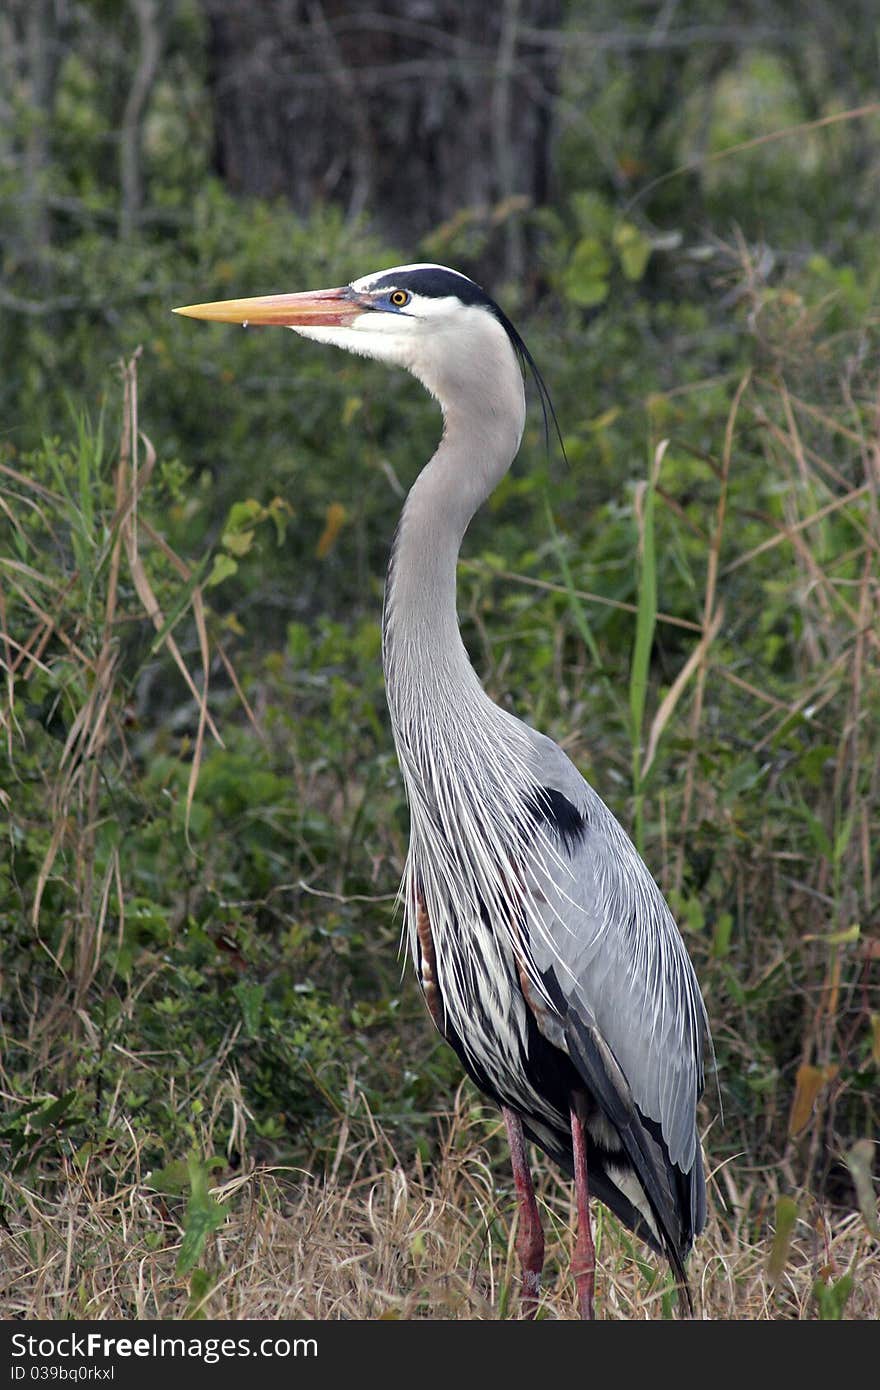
(426, 665)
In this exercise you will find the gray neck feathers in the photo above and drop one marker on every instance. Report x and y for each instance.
(428, 675)
(467, 764)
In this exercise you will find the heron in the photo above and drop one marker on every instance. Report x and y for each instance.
(546, 953)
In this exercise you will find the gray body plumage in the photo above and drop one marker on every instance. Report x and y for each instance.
(548, 956)
(530, 926)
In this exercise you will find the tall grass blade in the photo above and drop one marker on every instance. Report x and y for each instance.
(646, 621)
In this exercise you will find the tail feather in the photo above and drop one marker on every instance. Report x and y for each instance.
(674, 1198)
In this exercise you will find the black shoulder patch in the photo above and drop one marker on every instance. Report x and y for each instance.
(562, 818)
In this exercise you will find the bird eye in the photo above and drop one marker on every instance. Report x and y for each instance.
(399, 297)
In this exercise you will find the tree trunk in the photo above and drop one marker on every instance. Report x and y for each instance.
(412, 109)
(31, 32)
(151, 19)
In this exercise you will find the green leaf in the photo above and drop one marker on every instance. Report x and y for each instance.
(243, 515)
(786, 1216)
(832, 1298)
(238, 543)
(585, 280)
(53, 1112)
(646, 615)
(222, 568)
(203, 1216)
(721, 935)
(633, 249)
(592, 212)
(646, 618)
(172, 1179)
(860, 1161)
(200, 1285)
(845, 937)
(250, 998)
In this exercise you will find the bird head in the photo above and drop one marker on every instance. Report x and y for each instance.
(433, 321)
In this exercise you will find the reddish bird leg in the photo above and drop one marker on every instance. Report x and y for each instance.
(529, 1235)
(583, 1264)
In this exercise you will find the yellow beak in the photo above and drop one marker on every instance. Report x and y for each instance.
(315, 309)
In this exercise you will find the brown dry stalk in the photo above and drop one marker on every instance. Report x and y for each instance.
(128, 528)
(710, 625)
(91, 726)
(786, 533)
(831, 424)
(389, 1242)
(479, 567)
(854, 113)
(187, 575)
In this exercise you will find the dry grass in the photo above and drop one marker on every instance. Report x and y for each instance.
(388, 1242)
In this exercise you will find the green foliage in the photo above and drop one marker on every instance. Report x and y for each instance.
(646, 621)
(832, 1296)
(202, 848)
(603, 243)
(180, 932)
(786, 1219)
(204, 1215)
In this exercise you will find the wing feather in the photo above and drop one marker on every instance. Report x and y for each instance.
(610, 949)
